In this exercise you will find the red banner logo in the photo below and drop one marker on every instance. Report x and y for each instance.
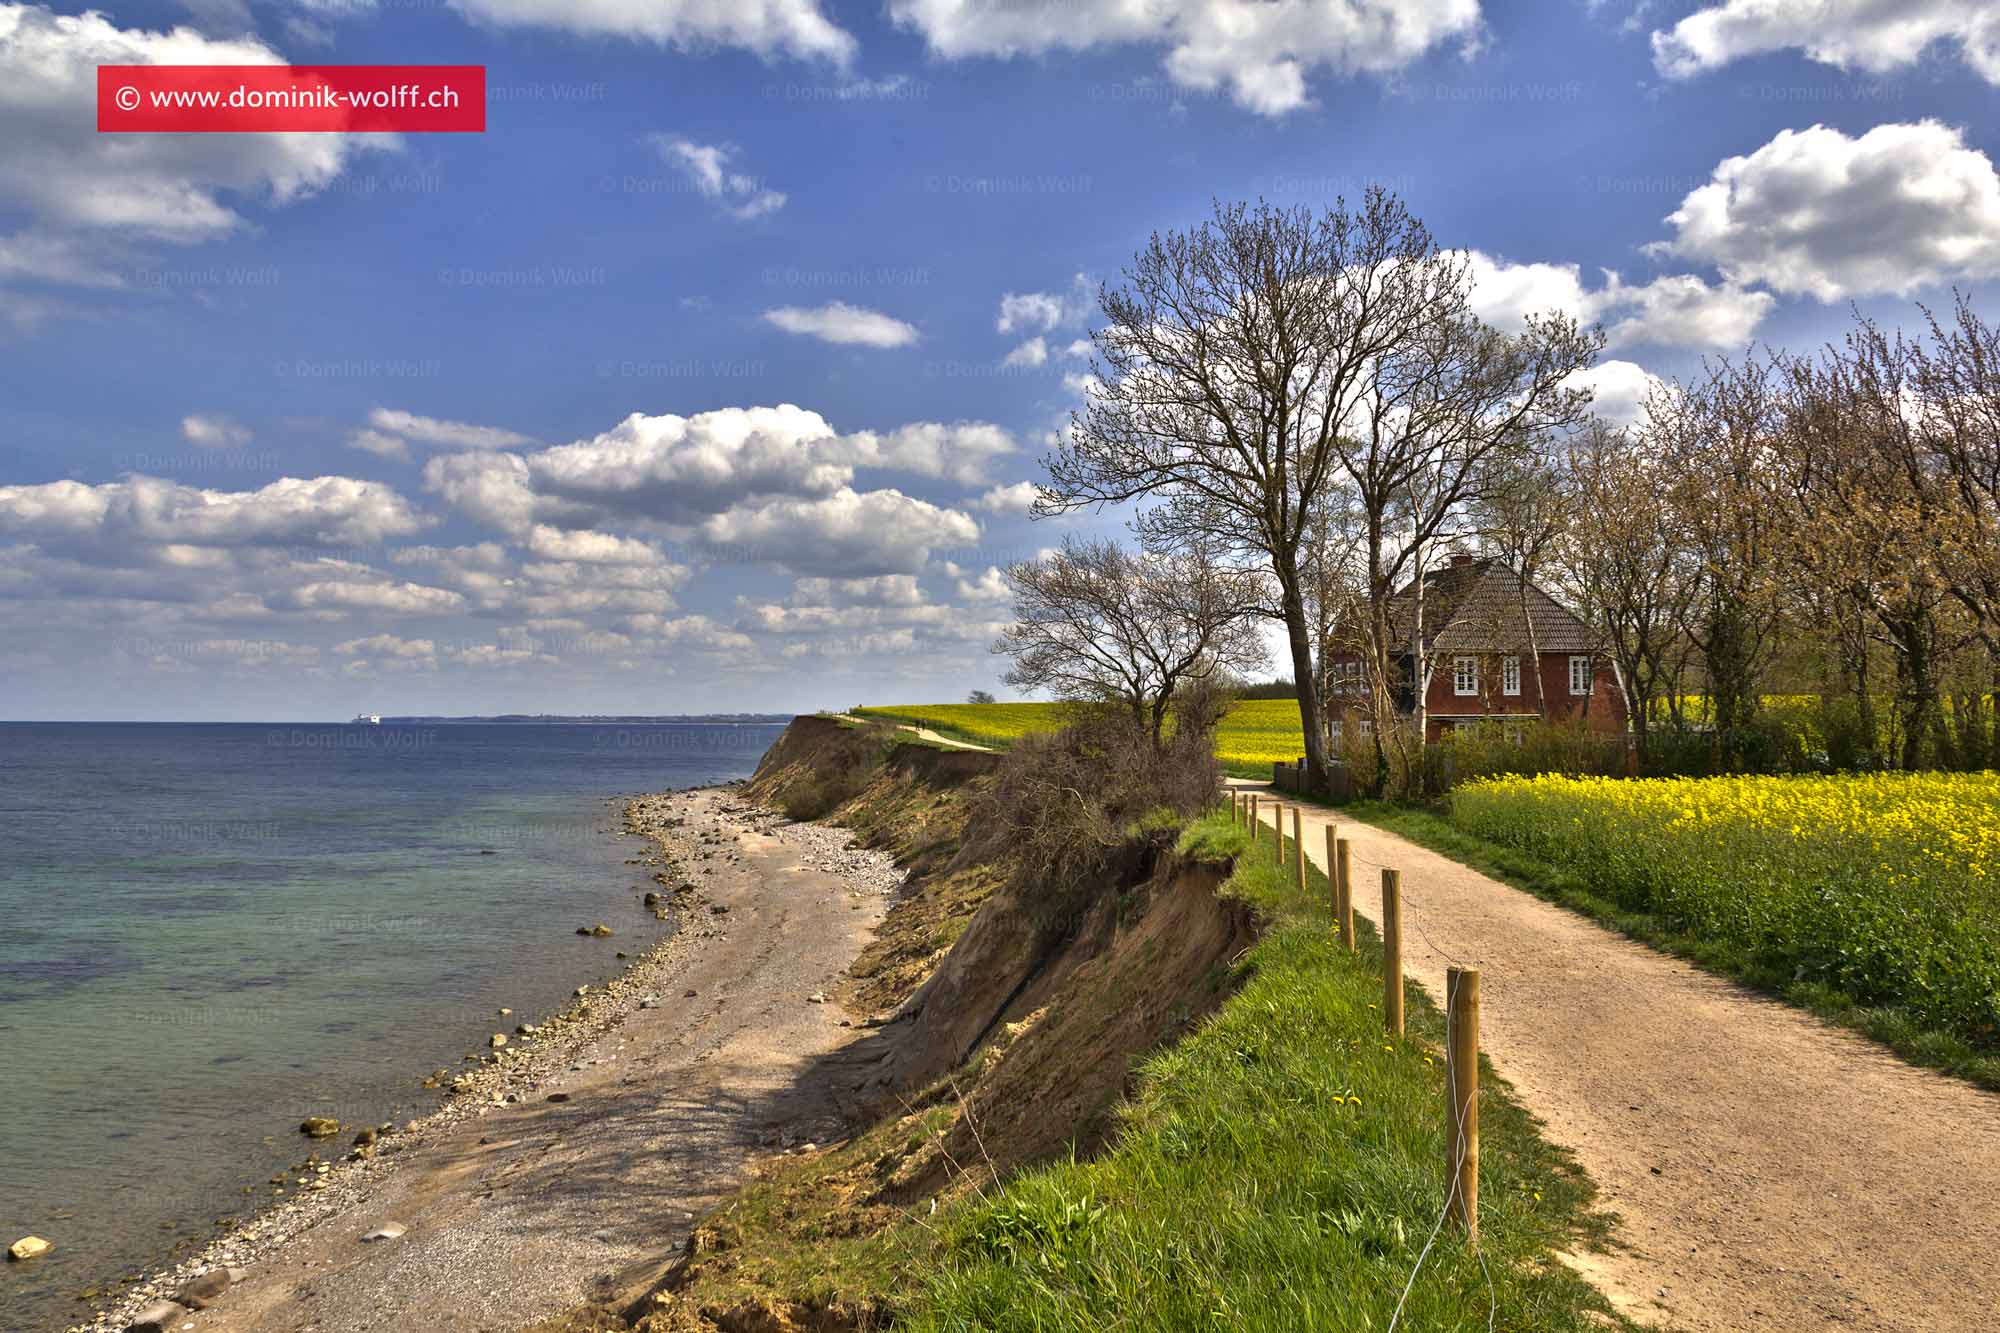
(263, 99)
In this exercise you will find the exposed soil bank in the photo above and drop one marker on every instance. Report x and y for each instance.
(515, 1210)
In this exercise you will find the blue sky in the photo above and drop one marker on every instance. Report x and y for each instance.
(300, 426)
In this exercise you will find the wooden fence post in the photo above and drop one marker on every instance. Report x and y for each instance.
(1461, 1163)
(1332, 876)
(1278, 833)
(1392, 950)
(1253, 818)
(1344, 890)
(1235, 806)
(1299, 845)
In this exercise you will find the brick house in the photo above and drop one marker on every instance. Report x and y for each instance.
(1484, 666)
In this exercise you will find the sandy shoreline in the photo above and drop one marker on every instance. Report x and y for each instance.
(578, 1154)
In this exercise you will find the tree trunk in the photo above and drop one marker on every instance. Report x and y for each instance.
(1298, 633)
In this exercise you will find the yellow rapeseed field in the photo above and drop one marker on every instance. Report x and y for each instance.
(1256, 732)
(1884, 888)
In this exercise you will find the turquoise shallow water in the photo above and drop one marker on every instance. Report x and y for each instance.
(209, 932)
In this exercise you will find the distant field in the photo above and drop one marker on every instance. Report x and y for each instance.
(1257, 732)
(1883, 889)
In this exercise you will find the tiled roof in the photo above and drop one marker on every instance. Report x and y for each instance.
(1475, 606)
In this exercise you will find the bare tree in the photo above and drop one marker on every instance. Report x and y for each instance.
(1250, 362)
(1621, 560)
(1097, 622)
(1522, 516)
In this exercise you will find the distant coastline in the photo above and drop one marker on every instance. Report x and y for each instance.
(590, 719)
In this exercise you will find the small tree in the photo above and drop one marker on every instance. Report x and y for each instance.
(981, 697)
(1099, 623)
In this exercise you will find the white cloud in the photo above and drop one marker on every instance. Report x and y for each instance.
(590, 548)
(1258, 51)
(1016, 499)
(385, 645)
(1679, 310)
(1901, 207)
(879, 590)
(106, 520)
(767, 27)
(1871, 35)
(848, 533)
(88, 196)
(960, 451)
(1033, 352)
(443, 434)
(1619, 389)
(740, 195)
(213, 431)
(839, 322)
(988, 587)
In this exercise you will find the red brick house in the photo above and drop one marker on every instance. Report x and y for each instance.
(1484, 658)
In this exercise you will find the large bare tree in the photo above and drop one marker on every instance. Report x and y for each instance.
(1250, 364)
(1097, 622)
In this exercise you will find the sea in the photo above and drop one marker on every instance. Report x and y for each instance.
(209, 932)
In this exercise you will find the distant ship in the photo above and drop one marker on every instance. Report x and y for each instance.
(368, 719)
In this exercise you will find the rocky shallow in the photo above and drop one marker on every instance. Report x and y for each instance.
(522, 1060)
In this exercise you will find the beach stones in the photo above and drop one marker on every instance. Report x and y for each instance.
(600, 930)
(319, 1127)
(558, 1097)
(204, 1290)
(387, 1231)
(28, 1247)
(367, 1136)
(158, 1317)
(497, 1040)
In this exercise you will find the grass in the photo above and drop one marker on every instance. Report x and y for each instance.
(1256, 732)
(1280, 1168)
(1590, 890)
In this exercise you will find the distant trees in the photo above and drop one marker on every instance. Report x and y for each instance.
(1272, 362)
(1098, 622)
(981, 697)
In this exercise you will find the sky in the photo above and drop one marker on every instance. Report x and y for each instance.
(716, 373)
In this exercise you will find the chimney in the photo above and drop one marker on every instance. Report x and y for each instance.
(1460, 559)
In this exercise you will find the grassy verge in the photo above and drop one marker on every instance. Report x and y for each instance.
(1280, 1168)
(1894, 1027)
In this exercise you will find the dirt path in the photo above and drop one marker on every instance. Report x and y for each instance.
(1772, 1172)
(521, 1211)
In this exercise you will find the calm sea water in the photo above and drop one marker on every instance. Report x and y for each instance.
(209, 932)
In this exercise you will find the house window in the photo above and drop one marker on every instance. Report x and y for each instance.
(1579, 675)
(1465, 676)
(1510, 675)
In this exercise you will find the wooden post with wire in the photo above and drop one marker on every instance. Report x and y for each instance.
(1461, 1162)
(1254, 830)
(1235, 806)
(1392, 950)
(1343, 889)
(1299, 845)
(1278, 833)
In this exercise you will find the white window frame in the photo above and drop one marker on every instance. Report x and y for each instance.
(1465, 676)
(1510, 675)
(1579, 676)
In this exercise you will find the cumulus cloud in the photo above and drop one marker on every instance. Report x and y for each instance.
(1679, 310)
(1257, 51)
(961, 451)
(848, 533)
(990, 586)
(738, 194)
(590, 548)
(107, 520)
(1815, 211)
(89, 196)
(1016, 499)
(841, 323)
(213, 431)
(1619, 389)
(1852, 34)
(1033, 352)
(767, 27)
